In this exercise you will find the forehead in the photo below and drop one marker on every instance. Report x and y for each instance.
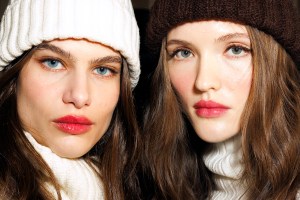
(206, 28)
(79, 46)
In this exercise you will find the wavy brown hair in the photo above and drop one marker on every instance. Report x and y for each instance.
(270, 129)
(270, 123)
(172, 159)
(23, 172)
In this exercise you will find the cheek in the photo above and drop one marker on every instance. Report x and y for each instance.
(35, 86)
(238, 83)
(103, 109)
(30, 92)
(39, 96)
(245, 88)
(237, 74)
(105, 98)
(183, 82)
(109, 94)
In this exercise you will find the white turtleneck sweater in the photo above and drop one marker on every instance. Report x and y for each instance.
(224, 160)
(77, 179)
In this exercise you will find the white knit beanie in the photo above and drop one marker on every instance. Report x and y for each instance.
(27, 23)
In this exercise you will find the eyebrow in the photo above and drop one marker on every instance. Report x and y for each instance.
(106, 59)
(181, 42)
(231, 36)
(55, 49)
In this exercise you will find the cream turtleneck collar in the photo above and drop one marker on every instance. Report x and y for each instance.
(77, 179)
(224, 161)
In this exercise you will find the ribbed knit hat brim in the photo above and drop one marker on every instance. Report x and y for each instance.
(27, 23)
(274, 17)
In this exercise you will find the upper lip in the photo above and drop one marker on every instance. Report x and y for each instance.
(72, 119)
(209, 104)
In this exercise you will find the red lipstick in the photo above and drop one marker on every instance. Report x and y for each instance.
(209, 109)
(73, 125)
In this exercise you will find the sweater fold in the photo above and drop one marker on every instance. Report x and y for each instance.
(224, 160)
(78, 180)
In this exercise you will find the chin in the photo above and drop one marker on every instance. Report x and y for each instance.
(72, 153)
(214, 138)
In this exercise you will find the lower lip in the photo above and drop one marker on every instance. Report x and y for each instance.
(210, 112)
(73, 129)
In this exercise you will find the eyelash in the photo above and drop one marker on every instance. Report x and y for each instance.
(176, 51)
(111, 70)
(43, 60)
(241, 47)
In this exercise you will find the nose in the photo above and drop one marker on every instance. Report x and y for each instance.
(208, 74)
(77, 91)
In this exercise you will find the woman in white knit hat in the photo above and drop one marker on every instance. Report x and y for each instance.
(68, 127)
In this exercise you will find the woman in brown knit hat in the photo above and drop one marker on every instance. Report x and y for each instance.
(228, 69)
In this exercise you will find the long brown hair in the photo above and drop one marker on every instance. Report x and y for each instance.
(270, 129)
(117, 151)
(271, 122)
(171, 158)
(23, 172)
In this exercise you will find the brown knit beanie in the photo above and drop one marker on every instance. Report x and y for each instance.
(277, 18)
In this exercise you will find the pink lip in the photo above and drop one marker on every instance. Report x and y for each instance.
(209, 109)
(73, 125)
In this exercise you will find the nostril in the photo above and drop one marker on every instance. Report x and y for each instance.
(77, 95)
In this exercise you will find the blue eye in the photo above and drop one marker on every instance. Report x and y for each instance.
(103, 71)
(51, 63)
(183, 53)
(238, 51)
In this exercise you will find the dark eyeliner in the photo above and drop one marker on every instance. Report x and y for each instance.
(246, 49)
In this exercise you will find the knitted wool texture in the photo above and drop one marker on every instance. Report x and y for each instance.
(277, 18)
(77, 179)
(28, 23)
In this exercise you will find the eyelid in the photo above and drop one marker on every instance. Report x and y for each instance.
(246, 51)
(174, 51)
(113, 71)
(114, 66)
(243, 46)
(43, 59)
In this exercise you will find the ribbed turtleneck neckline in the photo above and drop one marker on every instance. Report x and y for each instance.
(224, 160)
(77, 178)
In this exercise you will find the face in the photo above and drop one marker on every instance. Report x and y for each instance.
(210, 67)
(66, 94)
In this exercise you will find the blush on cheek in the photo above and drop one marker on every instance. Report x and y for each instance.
(181, 83)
